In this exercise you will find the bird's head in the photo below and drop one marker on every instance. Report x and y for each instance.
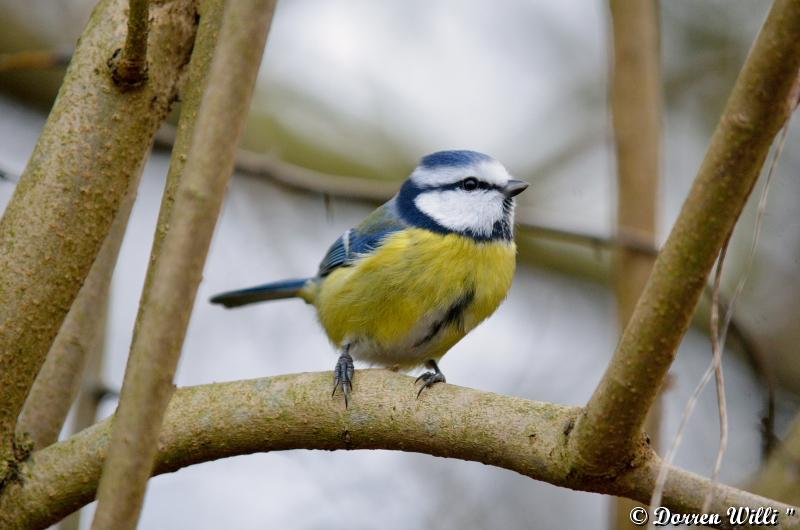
(463, 192)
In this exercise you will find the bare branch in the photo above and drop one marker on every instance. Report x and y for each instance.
(294, 176)
(81, 336)
(177, 264)
(636, 110)
(129, 64)
(757, 109)
(93, 145)
(89, 398)
(272, 166)
(215, 421)
(33, 60)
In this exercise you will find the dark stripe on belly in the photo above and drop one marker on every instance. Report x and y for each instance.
(453, 317)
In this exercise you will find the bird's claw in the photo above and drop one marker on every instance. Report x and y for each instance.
(343, 376)
(430, 378)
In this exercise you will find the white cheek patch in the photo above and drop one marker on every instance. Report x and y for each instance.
(460, 211)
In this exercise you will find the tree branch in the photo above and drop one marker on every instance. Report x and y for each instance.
(636, 112)
(129, 65)
(271, 166)
(92, 393)
(215, 421)
(607, 431)
(81, 336)
(33, 60)
(177, 264)
(93, 144)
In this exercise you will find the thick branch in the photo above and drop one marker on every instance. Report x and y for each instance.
(296, 411)
(81, 336)
(177, 264)
(636, 111)
(758, 107)
(93, 144)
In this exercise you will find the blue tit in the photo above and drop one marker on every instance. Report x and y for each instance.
(420, 272)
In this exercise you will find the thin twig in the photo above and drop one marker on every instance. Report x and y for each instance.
(717, 349)
(272, 166)
(33, 60)
(129, 64)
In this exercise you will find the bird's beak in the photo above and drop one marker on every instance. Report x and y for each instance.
(514, 187)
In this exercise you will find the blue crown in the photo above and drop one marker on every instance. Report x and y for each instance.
(458, 158)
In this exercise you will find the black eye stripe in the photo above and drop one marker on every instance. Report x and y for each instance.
(460, 185)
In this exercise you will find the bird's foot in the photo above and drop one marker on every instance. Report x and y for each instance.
(430, 378)
(343, 376)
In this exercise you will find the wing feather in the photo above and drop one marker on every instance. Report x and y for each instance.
(363, 239)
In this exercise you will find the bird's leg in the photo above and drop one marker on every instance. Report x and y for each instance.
(430, 378)
(343, 374)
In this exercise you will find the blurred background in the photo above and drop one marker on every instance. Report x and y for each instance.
(350, 96)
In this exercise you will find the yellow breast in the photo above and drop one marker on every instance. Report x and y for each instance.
(414, 297)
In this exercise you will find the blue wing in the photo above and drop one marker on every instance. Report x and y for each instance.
(363, 239)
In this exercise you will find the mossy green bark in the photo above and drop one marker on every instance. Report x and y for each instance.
(95, 140)
(606, 433)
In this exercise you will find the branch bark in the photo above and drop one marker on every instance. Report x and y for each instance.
(92, 392)
(607, 430)
(177, 264)
(636, 111)
(215, 421)
(93, 144)
(81, 336)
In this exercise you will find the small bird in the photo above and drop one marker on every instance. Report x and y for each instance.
(420, 272)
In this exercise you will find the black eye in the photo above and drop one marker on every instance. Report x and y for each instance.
(469, 183)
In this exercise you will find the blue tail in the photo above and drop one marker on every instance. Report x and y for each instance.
(260, 293)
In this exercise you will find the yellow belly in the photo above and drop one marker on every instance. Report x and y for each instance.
(397, 306)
